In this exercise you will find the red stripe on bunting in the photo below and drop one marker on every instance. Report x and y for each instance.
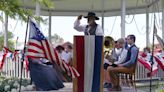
(80, 62)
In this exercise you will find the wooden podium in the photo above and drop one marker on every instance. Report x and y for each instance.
(88, 60)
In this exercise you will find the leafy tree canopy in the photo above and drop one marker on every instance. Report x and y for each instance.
(10, 41)
(56, 38)
(14, 8)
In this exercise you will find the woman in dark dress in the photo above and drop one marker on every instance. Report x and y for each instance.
(45, 75)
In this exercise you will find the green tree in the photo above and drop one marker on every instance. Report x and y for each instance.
(56, 38)
(10, 41)
(13, 8)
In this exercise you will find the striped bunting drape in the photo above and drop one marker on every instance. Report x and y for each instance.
(88, 60)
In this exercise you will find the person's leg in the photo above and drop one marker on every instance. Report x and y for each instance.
(114, 77)
(121, 69)
(107, 83)
(106, 76)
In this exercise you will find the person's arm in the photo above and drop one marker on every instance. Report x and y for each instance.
(122, 57)
(134, 53)
(107, 61)
(77, 25)
(114, 55)
(99, 31)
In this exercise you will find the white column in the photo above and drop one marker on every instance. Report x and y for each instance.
(102, 14)
(123, 15)
(6, 31)
(37, 9)
(49, 31)
(102, 22)
(147, 27)
(162, 19)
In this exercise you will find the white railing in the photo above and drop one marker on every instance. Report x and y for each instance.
(141, 72)
(13, 69)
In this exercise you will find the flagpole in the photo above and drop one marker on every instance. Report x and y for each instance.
(151, 59)
(24, 50)
(15, 50)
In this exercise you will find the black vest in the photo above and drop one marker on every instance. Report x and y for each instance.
(92, 30)
(129, 54)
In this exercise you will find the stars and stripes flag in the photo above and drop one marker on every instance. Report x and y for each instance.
(39, 47)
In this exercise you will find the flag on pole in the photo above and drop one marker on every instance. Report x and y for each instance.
(88, 52)
(144, 59)
(39, 47)
(159, 57)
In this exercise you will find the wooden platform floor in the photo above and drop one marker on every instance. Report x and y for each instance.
(68, 88)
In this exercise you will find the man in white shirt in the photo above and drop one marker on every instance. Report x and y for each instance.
(123, 53)
(62, 53)
(69, 51)
(92, 28)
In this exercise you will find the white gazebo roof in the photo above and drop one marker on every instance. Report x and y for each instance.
(110, 7)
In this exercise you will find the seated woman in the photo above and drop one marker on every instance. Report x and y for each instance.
(121, 54)
(44, 75)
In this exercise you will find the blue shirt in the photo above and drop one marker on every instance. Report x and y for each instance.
(133, 57)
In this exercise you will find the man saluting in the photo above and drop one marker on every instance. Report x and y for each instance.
(92, 28)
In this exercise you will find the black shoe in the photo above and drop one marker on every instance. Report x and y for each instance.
(107, 85)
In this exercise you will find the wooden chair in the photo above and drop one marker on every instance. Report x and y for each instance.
(128, 79)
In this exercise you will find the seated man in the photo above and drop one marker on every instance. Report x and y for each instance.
(69, 52)
(127, 67)
(121, 54)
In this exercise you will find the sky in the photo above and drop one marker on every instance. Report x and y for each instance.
(63, 26)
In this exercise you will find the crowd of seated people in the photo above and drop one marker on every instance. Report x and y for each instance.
(122, 60)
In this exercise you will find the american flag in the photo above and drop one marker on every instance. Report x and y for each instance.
(39, 47)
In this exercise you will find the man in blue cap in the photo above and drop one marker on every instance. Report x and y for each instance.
(92, 28)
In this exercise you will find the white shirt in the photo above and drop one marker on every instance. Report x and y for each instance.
(81, 28)
(122, 56)
(66, 56)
